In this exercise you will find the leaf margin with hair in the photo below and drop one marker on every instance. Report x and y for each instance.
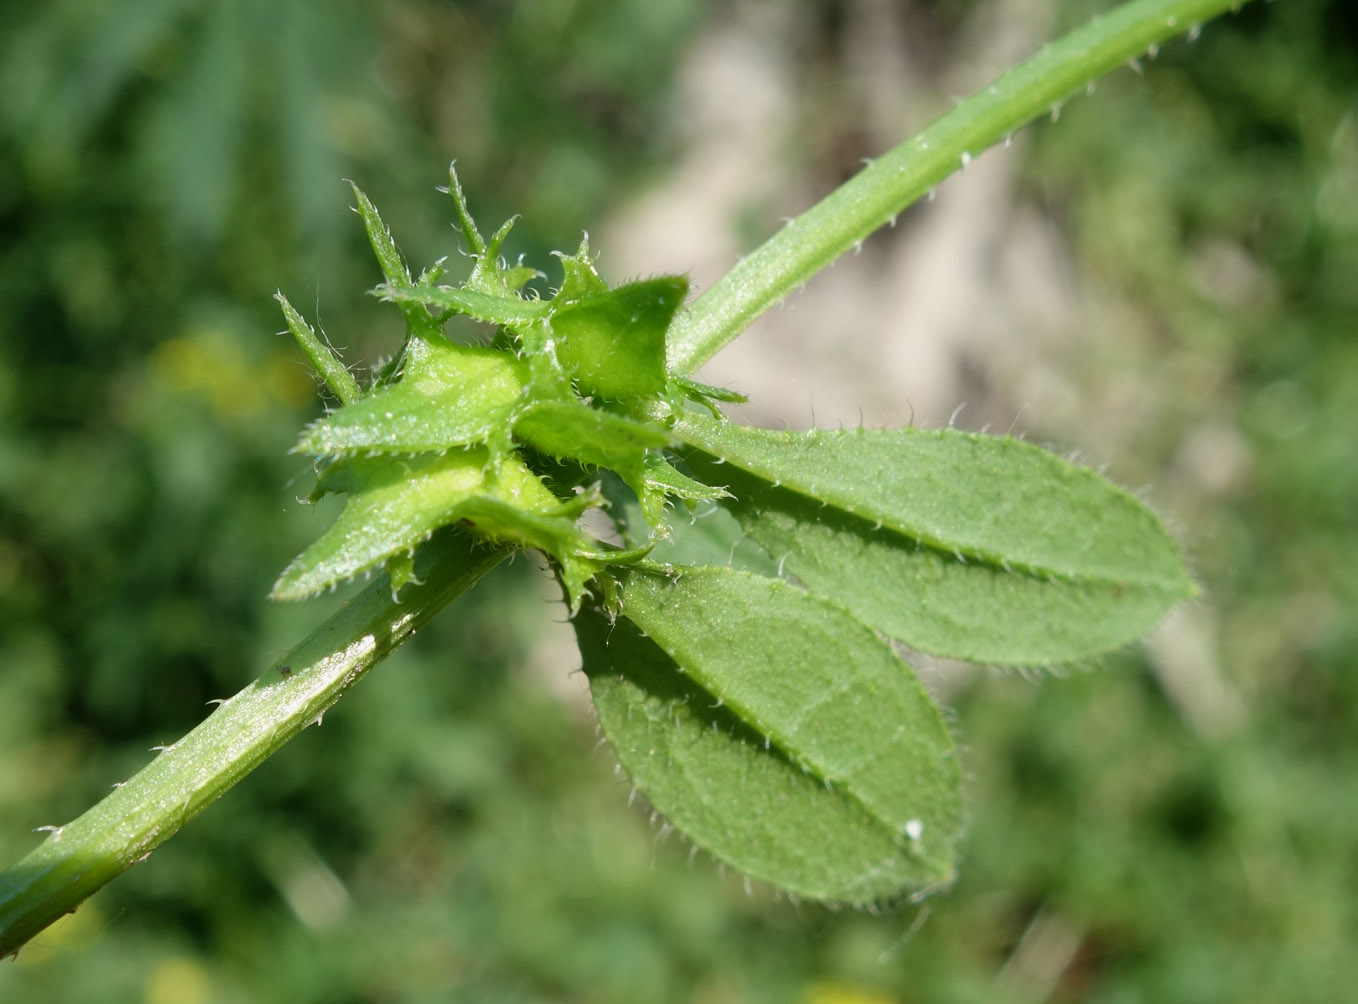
(394, 504)
(895, 824)
(980, 497)
(449, 396)
(926, 598)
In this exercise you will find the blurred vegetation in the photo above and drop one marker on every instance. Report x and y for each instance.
(447, 835)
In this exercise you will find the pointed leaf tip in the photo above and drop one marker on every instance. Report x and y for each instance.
(379, 237)
(328, 366)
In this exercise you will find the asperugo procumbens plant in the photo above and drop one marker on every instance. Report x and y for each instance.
(758, 702)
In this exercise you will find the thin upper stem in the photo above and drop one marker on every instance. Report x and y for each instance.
(874, 196)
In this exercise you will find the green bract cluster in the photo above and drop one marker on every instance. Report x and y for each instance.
(742, 664)
(452, 434)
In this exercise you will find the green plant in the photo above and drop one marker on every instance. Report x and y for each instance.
(979, 548)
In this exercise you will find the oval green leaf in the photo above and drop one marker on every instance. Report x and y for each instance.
(778, 732)
(992, 499)
(926, 597)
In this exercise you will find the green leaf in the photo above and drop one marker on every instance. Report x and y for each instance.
(707, 395)
(333, 373)
(476, 245)
(658, 480)
(384, 247)
(579, 277)
(508, 309)
(570, 428)
(573, 430)
(553, 532)
(613, 344)
(664, 477)
(707, 535)
(989, 499)
(395, 504)
(448, 396)
(927, 598)
(488, 274)
(778, 732)
(392, 507)
(515, 277)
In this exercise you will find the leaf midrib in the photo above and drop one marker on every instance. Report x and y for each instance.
(1159, 584)
(655, 630)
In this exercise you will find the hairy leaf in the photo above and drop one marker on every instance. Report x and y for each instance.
(552, 531)
(449, 395)
(529, 386)
(384, 248)
(926, 597)
(507, 309)
(333, 373)
(597, 438)
(661, 474)
(570, 428)
(707, 395)
(778, 732)
(476, 245)
(613, 344)
(707, 535)
(990, 499)
(579, 278)
(395, 504)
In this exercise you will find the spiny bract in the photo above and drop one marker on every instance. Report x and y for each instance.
(450, 433)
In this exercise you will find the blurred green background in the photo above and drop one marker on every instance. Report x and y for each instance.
(1179, 822)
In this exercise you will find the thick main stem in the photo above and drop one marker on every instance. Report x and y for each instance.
(78, 858)
(874, 196)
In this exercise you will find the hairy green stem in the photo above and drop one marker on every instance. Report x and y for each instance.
(874, 196)
(77, 859)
